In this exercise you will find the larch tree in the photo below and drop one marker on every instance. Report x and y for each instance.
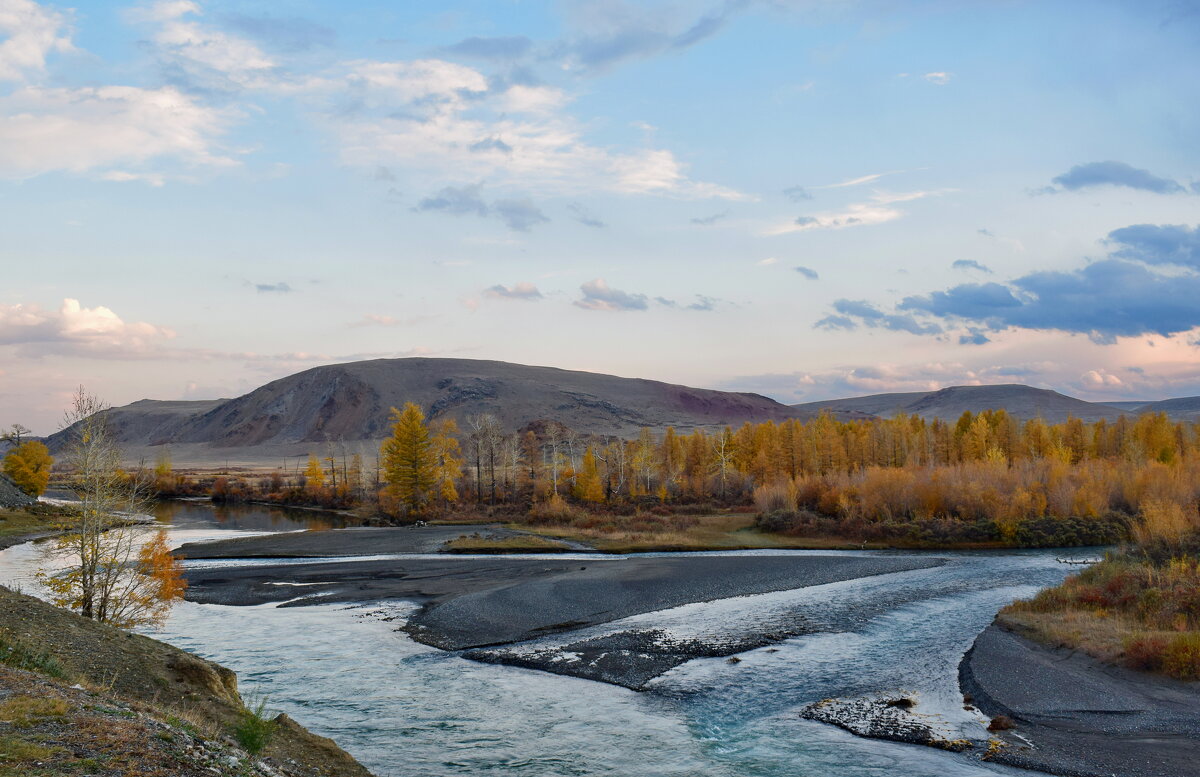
(28, 466)
(588, 486)
(408, 459)
(447, 460)
(102, 566)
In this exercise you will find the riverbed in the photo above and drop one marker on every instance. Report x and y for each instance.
(403, 708)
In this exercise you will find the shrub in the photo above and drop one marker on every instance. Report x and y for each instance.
(554, 510)
(255, 729)
(1181, 657)
(776, 498)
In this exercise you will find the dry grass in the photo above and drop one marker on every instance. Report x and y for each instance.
(25, 711)
(525, 543)
(719, 531)
(1129, 609)
(18, 523)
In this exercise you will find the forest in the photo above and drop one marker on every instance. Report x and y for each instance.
(987, 479)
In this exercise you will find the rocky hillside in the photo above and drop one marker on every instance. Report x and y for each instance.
(81, 698)
(351, 402)
(1023, 402)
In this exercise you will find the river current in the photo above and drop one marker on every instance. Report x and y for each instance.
(408, 710)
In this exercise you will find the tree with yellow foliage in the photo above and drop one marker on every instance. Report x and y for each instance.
(409, 466)
(447, 460)
(28, 466)
(314, 475)
(588, 486)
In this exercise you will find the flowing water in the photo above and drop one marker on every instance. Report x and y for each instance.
(406, 709)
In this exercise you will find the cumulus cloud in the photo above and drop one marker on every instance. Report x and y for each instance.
(519, 215)
(615, 32)
(797, 194)
(598, 295)
(29, 33)
(119, 129)
(1123, 295)
(1171, 244)
(970, 264)
(702, 304)
(520, 291)
(202, 54)
(1114, 173)
(448, 122)
(286, 33)
(77, 330)
(807, 272)
(455, 200)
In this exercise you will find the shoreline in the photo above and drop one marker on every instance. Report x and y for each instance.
(1078, 717)
(486, 606)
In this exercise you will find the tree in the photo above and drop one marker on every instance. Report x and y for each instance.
(408, 458)
(447, 460)
(109, 570)
(314, 476)
(28, 466)
(14, 433)
(587, 483)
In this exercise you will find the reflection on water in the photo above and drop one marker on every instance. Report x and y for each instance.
(407, 709)
(188, 514)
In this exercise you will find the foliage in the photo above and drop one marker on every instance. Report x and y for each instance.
(108, 571)
(254, 730)
(28, 466)
(408, 459)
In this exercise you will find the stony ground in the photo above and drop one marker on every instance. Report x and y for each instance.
(81, 698)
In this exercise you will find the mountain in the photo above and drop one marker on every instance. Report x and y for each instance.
(350, 402)
(1180, 409)
(948, 404)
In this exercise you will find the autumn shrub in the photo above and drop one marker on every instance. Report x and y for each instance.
(775, 498)
(554, 510)
(1181, 657)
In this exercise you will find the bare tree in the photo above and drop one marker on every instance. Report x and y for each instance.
(112, 574)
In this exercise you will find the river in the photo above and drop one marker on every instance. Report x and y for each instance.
(405, 709)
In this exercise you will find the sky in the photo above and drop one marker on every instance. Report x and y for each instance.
(801, 198)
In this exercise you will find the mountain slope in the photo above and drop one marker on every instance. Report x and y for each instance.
(948, 404)
(351, 402)
(1180, 408)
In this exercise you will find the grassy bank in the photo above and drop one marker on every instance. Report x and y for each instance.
(81, 698)
(17, 525)
(1140, 607)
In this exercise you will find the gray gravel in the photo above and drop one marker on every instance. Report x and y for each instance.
(480, 605)
(1077, 716)
(11, 496)
(354, 541)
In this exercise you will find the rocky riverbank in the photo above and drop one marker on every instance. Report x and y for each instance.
(1076, 716)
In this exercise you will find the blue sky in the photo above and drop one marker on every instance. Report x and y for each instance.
(805, 199)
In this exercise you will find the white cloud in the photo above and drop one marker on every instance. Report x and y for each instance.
(940, 78)
(76, 330)
(443, 120)
(770, 260)
(30, 32)
(108, 128)
(878, 210)
(209, 56)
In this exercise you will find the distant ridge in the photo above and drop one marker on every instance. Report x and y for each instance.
(350, 402)
(1019, 401)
